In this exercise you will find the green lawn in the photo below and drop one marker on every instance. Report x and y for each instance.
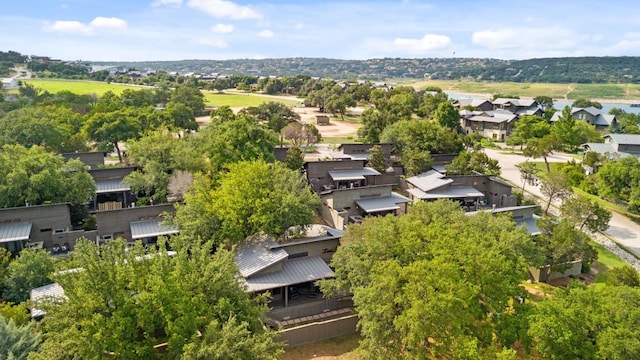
(556, 91)
(339, 140)
(78, 86)
(242, 100)
(607, 261)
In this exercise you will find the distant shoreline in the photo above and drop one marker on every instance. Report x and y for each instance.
(607, 101)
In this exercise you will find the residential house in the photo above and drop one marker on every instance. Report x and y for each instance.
(350, 205)
(112, 192)
(10, 84)
(343, 174)
(493, 124)
(590, 114)
(472, 191)
(288, 270)
(518, 106)
(475, 103)
(42, 227)
(616, 145)
(143, 223)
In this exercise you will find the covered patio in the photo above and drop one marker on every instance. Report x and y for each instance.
(380, 206)
(111, 195)
(149, 230)
(14, 236)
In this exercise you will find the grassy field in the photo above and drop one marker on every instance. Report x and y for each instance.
(556, 91)
(213, 99)
(79, 87)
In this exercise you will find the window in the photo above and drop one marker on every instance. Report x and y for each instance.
(107, 237)
(299, 255)
(58, 231)
(45, 230)
(329, 250)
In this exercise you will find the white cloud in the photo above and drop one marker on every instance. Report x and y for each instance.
(222, 28)
(265, 34)
(541, 39)
(109, 23)
(298, 26)
(174, 3)
(428, 43)
(225, 9)
(219, 43)
(74, 27)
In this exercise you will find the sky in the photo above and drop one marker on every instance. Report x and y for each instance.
(146, 30)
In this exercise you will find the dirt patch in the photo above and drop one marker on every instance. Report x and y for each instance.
(336, 127)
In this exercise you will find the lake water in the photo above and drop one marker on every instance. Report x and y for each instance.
(559, 105)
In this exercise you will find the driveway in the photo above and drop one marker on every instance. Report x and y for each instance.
(621, 229)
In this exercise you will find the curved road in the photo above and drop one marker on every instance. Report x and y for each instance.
(621, 229)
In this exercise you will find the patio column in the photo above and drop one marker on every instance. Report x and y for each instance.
(286, 296)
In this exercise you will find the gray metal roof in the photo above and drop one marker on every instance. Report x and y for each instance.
(530, 224)
(107, 186)
(429, 180)
(257, 254)
(341, 175)
(43, 293)
(293, 272)
(600, 148)
(370, 205)
(313, 233)
(452, 192)
(15, 232)
(150, 228)
(625, 139)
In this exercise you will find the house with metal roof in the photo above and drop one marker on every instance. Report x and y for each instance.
(345, 174)
(9, 84)
(518, 106)
(592, 115)
(288, 270)
(493, 124)
(475, 103)
(473, 192)
(112, 192)
(616, 145)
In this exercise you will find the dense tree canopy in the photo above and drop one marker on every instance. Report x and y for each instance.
(124, 304)
(418, 287)
(251, 197)
(36, 176)
(17, 342)
(236, 139)
(469, 162)
(596, 322)
(29, 270)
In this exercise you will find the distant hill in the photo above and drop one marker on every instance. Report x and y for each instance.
(552, 70)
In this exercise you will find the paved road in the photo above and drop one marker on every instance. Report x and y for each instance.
(621, 229)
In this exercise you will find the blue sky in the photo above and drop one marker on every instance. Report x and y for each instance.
(135, 30)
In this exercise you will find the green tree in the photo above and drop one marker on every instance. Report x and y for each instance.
(546, 102)
(554, 186)
(446, 115)
(583, 103)
(17, 342)
(542, 147)
(618, 179)
(133, 302)
(581, 212)
(189, 96)
(36, 176)
(423, 136)
(239, 139)
(158, 154)
(5, 259)
(529, 127)
(416, 162)
(181, 117)
(562, 243)
(593, 160)
(275, 115)
(377, 160)
(108, 129)
(623, 276)
(294, 159)
(251, 197)
(592, 322)
(29, 270)
(16, 312)
(528, 173)
(469, 162)
(424, 294)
